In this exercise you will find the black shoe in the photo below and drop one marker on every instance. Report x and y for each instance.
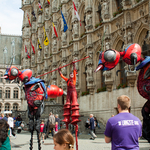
(92, 138)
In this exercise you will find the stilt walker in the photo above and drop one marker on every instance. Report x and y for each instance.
(71, 102)
(35, 93)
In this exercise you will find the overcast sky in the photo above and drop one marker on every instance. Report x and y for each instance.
(11, 17)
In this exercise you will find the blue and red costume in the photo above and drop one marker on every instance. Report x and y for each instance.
(131, 56)
(35, 93)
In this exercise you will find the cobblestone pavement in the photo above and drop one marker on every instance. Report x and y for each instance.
(22, 143)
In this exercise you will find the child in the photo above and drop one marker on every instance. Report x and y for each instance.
(4, 138)
(56, 127)
(63, 140)
(42, 129)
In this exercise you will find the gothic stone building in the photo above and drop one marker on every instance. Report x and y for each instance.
(10, 49)
(123, 22)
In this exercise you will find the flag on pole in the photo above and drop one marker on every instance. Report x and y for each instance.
(40, 6)
(76, 13)
(48, 2)
(55, 30)
(27, 52)
(39, 45)
(25, 49)
(29, 20)
(65, 24)
(32, 46)
(33, 13)
(46, 41)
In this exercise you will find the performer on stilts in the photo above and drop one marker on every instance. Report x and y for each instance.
(71, 101)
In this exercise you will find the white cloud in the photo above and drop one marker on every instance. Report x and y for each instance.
(11, 17)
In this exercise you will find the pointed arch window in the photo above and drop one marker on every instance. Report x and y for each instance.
(99, 12)
(119, 4)
(145, 46)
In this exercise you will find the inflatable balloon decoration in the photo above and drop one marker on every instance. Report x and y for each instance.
(35, 93)
(131, 56)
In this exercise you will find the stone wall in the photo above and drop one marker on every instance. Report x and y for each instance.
(104, 104)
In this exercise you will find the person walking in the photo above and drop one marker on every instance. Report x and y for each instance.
(11, 125)
(57, 120)
(124, 129)
(51, 126)
(92, 127)
(42, 130)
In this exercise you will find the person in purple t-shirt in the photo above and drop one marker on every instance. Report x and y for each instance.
(124, 129)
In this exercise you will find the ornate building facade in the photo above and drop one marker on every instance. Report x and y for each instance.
(10, 93)
(104, 24)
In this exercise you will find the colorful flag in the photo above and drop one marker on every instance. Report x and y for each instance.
(29, 20)
(32, 46)
(27, 52)
(40, 6)
(48, 2)
(28, 55)
(25, 49)
(65, 24)
(33, 13)
(55, 30)
(46, 41)
(39, 45)
(76, 13)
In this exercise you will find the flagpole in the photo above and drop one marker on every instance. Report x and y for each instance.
(63, 66)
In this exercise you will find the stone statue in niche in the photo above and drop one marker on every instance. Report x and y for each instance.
(39, 18)
(54, 4)
(54, 82)
(107, 45)
(77, 80)
(39, 55)
(27, 31)
(76, 64)
(54, 43)
(89, 71)
(75, 28)
(129, 37)
(46, 50)
(46, 12)
(26, 62)
(64, 36)
(106, 9)
(32, 60)
(38, 69)
(64, 70)
(89, 19)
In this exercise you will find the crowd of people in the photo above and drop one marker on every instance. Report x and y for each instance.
(123, 130)
(52, 125)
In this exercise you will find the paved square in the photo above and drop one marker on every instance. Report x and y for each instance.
(23, 139)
